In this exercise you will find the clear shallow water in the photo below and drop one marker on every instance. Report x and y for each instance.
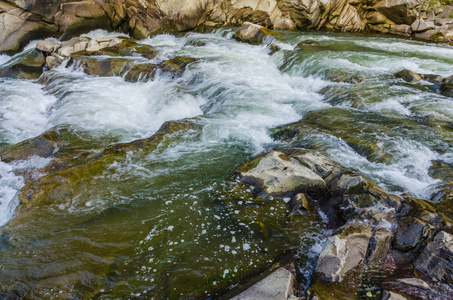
(155, 223)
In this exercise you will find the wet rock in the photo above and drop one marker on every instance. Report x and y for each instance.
(130, 69)
(314, 46)
(43, 146)
(417, 288)
(408, 75)
(72, 174)
(340, 265)
(436, 260)
(339, 76)
(409, 234)
(253, 34)
(273, 48)
(277, 173)
(446, 88)
(30, 66)
(56, 53)
(278, 286)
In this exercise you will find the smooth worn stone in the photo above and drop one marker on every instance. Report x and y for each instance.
(253, 34)
(276, 286)
(278, 173)
(47, 46)
(436, 260)
(408, 75)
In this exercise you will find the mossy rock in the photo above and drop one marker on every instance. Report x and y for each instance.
(29, 66)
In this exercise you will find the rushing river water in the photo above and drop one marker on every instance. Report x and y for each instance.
(154, 224)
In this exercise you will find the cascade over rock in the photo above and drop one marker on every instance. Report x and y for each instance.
(22, 21)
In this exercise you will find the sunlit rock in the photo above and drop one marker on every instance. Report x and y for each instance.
(253, 34)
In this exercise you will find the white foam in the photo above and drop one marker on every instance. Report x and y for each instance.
(24, 110)
(103, 34)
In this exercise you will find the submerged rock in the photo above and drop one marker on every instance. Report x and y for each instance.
(253, 34)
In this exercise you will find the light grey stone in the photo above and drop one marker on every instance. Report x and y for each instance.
(281, 174)
(47, 46)
(276, 286)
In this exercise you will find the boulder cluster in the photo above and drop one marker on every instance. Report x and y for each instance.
(380, 245)
(22, 21)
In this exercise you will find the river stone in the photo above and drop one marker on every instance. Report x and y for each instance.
(408, 75)
(446, 88)
(47, 46)
(409, 234)
(278, 173)
(420, 25)
(436, 260)
(276, 286)
(344, 252)
(253, 34)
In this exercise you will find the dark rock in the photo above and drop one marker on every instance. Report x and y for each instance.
(277, 173)
(409, 234)
(273, 48)
(446, 88)
(436, 260)
(339, 76)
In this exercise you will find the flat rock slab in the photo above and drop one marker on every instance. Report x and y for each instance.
(276, 286)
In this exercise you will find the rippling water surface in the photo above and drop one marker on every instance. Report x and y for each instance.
(155, 223)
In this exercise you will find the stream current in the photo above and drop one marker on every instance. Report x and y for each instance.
(155, 225)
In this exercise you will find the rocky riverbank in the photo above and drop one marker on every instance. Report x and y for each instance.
(24, 21)
(290, 223)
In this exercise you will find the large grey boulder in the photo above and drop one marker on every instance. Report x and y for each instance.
(278, 173)
(276, 286)
(399, 11)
